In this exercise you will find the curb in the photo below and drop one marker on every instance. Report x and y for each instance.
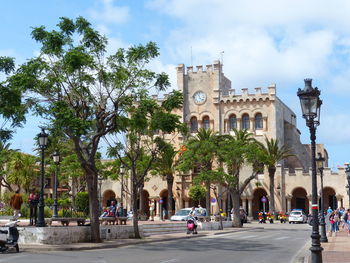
(303, 254)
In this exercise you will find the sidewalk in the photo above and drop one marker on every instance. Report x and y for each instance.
(337, 250)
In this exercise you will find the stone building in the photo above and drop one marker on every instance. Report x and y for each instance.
(211, 102)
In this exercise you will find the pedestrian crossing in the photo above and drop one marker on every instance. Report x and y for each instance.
(274, 236)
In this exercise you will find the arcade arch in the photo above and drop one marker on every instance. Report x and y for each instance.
(299, 199)
(329, 197)
(257, 204)
(108, 196)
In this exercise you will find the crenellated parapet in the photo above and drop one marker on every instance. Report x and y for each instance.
(233, 95)
(327, 172)
(190, 71)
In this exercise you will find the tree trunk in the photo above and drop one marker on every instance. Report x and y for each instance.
(91, 180)
(134, 195)
(236, 222)
(207, 199)
(170, 182)
(272, 171)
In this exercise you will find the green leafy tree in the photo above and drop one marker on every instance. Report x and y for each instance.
(142, 149)
(197, 192)
(12, 105)
(200, 153)
(273, 154)
(82, 91)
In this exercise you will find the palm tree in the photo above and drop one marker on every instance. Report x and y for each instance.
(165, 166)
(273, 154)
(234, 152)
(22, 170)
(200, 152)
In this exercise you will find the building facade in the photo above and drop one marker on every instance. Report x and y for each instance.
(211, 103)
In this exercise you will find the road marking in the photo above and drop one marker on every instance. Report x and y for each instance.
(170, 260)
(249, 236)
(279, 238)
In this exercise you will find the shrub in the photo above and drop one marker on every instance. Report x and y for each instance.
(82, 202)
(48, 201)
(47, 212)
(64, 203)
(25, 211)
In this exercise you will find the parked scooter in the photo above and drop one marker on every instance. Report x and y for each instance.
(11, 238)
(191, 226)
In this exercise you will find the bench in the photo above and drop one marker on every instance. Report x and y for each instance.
(113, 220)
(66, 220)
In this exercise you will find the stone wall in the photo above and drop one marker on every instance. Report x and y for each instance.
(71, 234)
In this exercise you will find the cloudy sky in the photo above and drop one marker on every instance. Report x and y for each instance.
(263, 42)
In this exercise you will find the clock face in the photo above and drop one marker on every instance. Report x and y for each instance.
(199, 97)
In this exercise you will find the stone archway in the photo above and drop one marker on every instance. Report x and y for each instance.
(299, 199)
(108, 196)
(257, 204)
(163, 203)
(330, 199)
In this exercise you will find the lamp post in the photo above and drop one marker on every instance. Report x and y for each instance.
(56, 160)
(43, 137)
(347, 171)
(100, 178)
(121, 171)
(320, 165)
(310, 105)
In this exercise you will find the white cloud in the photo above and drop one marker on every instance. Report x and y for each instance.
(109, 13)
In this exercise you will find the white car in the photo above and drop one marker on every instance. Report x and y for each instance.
(182, 214)
(297, 216)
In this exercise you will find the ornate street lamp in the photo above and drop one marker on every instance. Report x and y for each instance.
(347, 171)
(56, 160)
(122, 172)
(43, 138)
(310, 105)
(320, 165)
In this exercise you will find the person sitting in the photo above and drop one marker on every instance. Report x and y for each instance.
(112, 209)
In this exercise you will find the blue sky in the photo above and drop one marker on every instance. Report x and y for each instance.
(264, 42)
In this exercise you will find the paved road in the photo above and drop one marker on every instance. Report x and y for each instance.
(275, 243)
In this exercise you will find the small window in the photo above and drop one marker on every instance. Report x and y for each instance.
(245, 122)
(232, 122)
(206, 123)
(194, 124)
(258, 121)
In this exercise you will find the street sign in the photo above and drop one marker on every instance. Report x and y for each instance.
(263, 199)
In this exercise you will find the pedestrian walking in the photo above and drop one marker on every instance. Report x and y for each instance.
(33, 201)
(151, 210)
(16, 203)
(346, 218)
(333, 224)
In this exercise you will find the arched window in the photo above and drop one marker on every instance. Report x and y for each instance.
(245, 122)
(232, 124)
(194, 124)
(206, 123)
(258, 121)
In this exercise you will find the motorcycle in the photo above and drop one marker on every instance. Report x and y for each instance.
(282, 218)
(12, 236)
